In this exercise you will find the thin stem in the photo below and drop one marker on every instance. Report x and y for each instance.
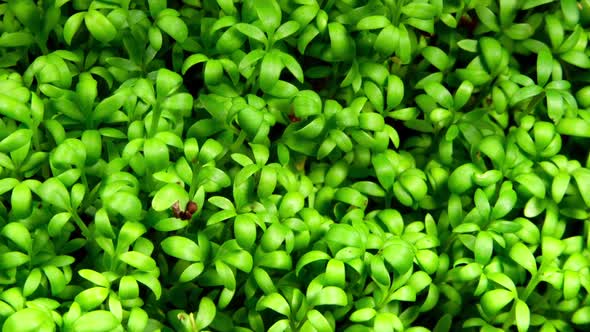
(149, 179)
(193, 187)
(84, 180)
(397, 11)
(449, 242)
(530, 287)
(509, 322)
(239, 141)
(90, 197)
(36, 143)
(81, 225)
(42, 45)
(155, 119)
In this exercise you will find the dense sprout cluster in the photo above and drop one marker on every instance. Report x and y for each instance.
(294, 165)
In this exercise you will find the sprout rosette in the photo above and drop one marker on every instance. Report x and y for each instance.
(294, 165)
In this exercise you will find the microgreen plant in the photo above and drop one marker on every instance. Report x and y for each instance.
(294, 165)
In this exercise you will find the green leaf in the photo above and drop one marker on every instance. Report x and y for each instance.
(261, 153)
(400, 255)
(156, 7)
(33, 281)
(379, 271)
(54, 192)
(369, 188)
(533, 184)
(149, 281)
(528, 4)
(484, 247)
(363, 315)
(138, 320)
(210, 150)
(138, 260)
(388, 40)
(463, 93)
(29, 320)
(19, 234)
(576, 58)
(230, 41)
(345, 235)
(292, 65)
(96, 321)
(69, 152)
(493, 301)
(56, 279)
(286, 29)
(308, 34)
(372, 22)
(461, 179)
(57, 222)
(93, 143)
(280, 325)
(404, 293)
(523, 316)
(481, 203)
(270, 70)
(92, 297)
(206, 313)
(269, 13)
(582, 177)
(14, 109)
(436, 57)
(7, 184)
(12, 259)
(213, 72)
(291, 203)
(27, 13)
(274, 302)
(16, 39)
(167, 82)
(505, 203)
(375, 95)
(95, 277)
(156, 153)
(487, 18)
(502, 280)
(419, 10)
(168, 195)
(521, 254)
(339, 41)
(193, 60)
(352, 197)
(525, 93)
(570, 126)
(571, 284)
(99, 26)
(126, 204)
(252, 31)
(245, 230)
(182, 248)
(331, 295)
(174, 26)
(310, 257)
(191, 272)
(581, 316)
(395, 91)
(107, 107)
(170, 224)
(129, 233)
(544, 66)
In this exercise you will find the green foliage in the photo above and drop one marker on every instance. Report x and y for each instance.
(294, 165)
